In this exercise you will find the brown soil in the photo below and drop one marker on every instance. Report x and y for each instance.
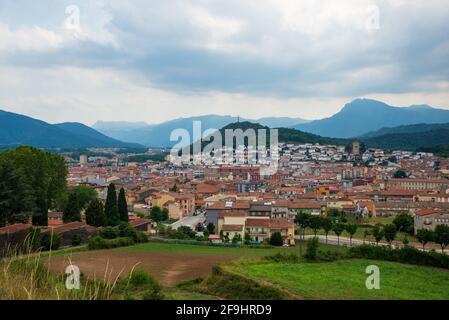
(167, 268)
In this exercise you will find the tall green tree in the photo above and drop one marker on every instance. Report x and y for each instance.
(442, 236)
(327, 225)
(45, 174)
(390, 232)
(315, 224)
(123, 206)
(404, 222)
(72, 211)
(95, 215)
(156, 214)
(338, 230)
(111, 207)
(351, 229)
(378, 233)
(424, 236)
(16, 195)
(302, 219)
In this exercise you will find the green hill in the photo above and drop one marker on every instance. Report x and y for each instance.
(17, 129)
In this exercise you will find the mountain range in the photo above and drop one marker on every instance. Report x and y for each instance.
(16, 130)
(364, 115)
(410, 137)
(158, 135)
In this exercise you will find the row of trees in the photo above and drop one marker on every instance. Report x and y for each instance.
(112, 213)
(439, 236)
(32, 181)
(330, 223)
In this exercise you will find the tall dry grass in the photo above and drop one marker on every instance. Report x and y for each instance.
(24, 275)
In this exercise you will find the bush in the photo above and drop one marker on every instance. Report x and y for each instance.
(312, 249)
(99, 243)
(126, 231)
(276, 239)
(78, 239)
(51, 241)
(141, 237)
(407, 254)
(109, 233)
(140, 282)
(284, 258)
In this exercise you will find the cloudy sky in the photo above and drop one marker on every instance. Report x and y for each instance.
(155, 60)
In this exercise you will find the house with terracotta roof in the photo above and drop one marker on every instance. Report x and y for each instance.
(258, 229)
(213, 211)
(232, 222)
(430, 218)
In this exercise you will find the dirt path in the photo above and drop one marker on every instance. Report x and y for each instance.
(167, 268)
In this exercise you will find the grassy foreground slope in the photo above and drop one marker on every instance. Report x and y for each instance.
(345, 279)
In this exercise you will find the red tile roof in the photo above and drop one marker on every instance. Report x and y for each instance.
(258, 223)
(232, 227)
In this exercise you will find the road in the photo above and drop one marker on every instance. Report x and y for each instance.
(334, 240)
(346, 242)
(188, 221)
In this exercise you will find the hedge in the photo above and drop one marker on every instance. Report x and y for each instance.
(407, 254)
(99, 243)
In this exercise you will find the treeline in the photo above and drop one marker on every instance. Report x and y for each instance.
(441, 150)
(31, 182)
(112, 213)
(141, 158)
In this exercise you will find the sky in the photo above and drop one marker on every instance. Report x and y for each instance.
(152, 61)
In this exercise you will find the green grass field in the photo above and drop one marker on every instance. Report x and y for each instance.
(345, 279)
(245, 252)
(207, 250)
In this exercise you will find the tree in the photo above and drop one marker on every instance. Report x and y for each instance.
(247, 239)
(84, 196)
(338, 230)
(276, 239)
(390, 233)
(327, 225)
(315, 224)
(424, 236)
(44, 173)
(302, 219)
(156, 214)
(404, 222)
(122, 206)
(164, 214)
(366, 233)
(312, 249)
(210, 228)
(174, 188)
(351, 229)
(72, 211)
(378, 233)
(400, 174)
(95, 215)
(442, 236)
(16, 196)
(237, 238)
(111, 207)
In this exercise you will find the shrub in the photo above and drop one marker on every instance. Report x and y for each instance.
(126, 231)
(51, 241)
(78, 239)
(141, 282)
(109, 233)
(407, 254)
(284, 258)
(312, 249)
(276, 239)
(99, 243)
(141, 237)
